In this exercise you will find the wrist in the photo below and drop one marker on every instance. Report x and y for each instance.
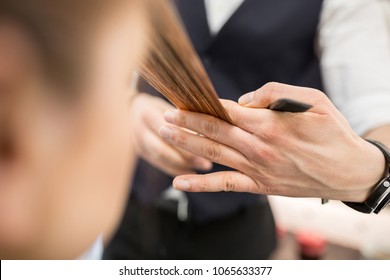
(379, 197)
(371, 170)
(378, 168)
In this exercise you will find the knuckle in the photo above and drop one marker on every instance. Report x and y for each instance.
(270, 131)
(227, 104)
(152, 153)
(160, 156)
(320, 97)
(234, 111)
(181, 119)
(250, 149)
(318, 93)
(211, 152)
(210, 128)
(151, 157)
(180, 139)
(270, 189)
(268, 93)
(229, 184)
(230, 108)
(273, 88)
(265, 156)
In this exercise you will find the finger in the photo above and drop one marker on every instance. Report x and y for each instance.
(151, 110)
(167, 158)
(228, 181)
(172, 171)
(271, 92)
(234, 181)
(249, 119)
(154, 120)
(240, 114)
(204, 147)
(211, 127)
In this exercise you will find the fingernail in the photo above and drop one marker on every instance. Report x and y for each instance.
(169, 116)
(246, 98)
(181, 185)
(166, 132)
(202, 164)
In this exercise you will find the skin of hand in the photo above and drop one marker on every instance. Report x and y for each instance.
(310, 154)
(147, 115)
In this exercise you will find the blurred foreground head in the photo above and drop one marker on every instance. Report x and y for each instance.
(65, 153)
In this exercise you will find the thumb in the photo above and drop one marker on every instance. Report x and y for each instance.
(271, 92)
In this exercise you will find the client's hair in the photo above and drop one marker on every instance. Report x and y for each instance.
(173, 67)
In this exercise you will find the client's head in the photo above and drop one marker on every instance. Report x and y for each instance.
(65, 153)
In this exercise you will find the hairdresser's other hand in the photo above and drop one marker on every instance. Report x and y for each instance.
(147, 113)
(311, 154)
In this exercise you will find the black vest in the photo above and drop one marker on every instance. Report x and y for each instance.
(263, 41)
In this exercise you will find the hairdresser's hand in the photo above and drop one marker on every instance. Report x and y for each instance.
(147, 113)
(311, 154)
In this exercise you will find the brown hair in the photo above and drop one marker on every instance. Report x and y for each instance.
(173, 67)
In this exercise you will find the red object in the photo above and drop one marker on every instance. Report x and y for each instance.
(312, 245)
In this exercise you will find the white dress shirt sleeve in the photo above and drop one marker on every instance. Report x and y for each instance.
(354, 50)
(219, 11)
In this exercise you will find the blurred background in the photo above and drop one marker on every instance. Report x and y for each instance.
(330, 231)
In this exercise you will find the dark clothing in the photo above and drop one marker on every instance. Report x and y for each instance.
(263, 41)
(153, 233)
